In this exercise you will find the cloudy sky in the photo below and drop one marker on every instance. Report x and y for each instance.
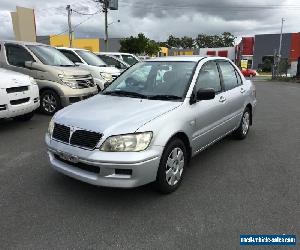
(159, 18)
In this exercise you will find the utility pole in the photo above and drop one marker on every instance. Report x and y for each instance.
(280, 46)
(105, 9)
(70, 25)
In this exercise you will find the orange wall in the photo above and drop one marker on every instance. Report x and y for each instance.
(295, 47)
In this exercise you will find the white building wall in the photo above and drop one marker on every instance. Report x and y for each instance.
(230, 51)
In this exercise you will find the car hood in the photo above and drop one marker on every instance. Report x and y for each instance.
(10, 79)
(96, 70)
(72, 71)
(112, 114)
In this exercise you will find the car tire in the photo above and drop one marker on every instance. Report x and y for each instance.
(171, 168)
(50, 102)
(24, 118)
(242, 131)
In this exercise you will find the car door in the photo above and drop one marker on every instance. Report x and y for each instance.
(233, 94)
(16, 56)
(209, 114)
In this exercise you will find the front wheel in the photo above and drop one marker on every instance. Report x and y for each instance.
(171, 167)
(243, 129)
(50, 102)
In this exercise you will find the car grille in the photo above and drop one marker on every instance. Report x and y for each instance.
(19, 101)
(80, 138)
(16, 89)
(84, 81)
(2, 107)
(86, 139)
(61, 133)
(80, 165)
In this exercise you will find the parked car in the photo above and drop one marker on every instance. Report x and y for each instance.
(143, 58)
(85, 59)
(114, 62)
(126, 57)
(60, 82)
(19, 96)
(249, 72)
(155, 125)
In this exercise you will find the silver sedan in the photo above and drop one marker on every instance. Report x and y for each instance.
(150, 121)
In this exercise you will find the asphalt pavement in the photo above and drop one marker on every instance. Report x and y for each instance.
(232, 188)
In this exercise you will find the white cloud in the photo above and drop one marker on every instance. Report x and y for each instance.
(160, 18)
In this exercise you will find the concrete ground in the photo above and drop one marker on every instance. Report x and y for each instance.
(232, 188)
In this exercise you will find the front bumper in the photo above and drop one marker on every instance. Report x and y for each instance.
(140, 167)
(78, 95)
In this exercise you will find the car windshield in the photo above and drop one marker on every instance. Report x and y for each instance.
(90, 58)
(50, 56)
(131, 60)
(111, 61)
(154, 80)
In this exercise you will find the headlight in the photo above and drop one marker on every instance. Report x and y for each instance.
(32, 81)
(127, 143)
(51, 127)
(106, 76)
(68, 82)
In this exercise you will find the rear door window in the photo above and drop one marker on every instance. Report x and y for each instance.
(230, 79)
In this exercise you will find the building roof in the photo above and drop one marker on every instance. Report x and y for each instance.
(22, 42)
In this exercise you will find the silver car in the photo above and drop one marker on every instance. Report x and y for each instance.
(150, 121)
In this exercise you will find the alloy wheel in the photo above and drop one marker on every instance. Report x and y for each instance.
(245, 123)
(49, 103)
(174, 166)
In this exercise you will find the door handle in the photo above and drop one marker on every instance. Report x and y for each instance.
(243, 90)
(222, 99)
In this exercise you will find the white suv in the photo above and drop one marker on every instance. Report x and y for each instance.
(19, 95)
(87, 60)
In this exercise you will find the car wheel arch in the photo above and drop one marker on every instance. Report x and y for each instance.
(249, 106)
(185, 139)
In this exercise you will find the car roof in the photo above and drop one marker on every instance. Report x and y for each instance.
(114, 53)
(194, 58)
(177, 58)
(22, 42)
(67, 48)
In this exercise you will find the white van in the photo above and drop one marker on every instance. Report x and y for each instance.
(87, 60)
(126, 57)
(19, 95)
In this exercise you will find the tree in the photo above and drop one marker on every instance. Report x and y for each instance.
(173, 42)
(187, 42)
(139, 45)
(152, 48)
(214, 41)
(228, 39)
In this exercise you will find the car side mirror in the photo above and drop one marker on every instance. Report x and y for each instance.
(205, 94)
(29, 64)
(78, 63)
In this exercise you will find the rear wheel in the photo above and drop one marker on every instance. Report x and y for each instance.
(171, 167)
(50, 102)
(243, 129)
(24, 118)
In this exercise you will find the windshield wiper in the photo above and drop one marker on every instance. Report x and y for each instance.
(164, 97)
(125, 93)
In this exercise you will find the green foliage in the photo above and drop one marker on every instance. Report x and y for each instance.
(215, 41)
(173, 42)
(139, 45)
(187, 42)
